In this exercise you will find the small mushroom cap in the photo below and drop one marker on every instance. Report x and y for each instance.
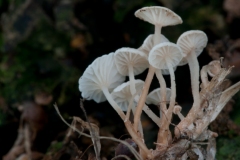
(101, 73)
(122, 93)
(163, 54)
(128, 56)
(158, 16)
(154, 97)
(148, 43)
(177, 109)
(214, 68)
(192, 40)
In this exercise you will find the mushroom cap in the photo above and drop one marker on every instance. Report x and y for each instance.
(177, 109)
(165, 53)
(101, 73)
(160, 16)
(192, 40)
(148, 43)
(214, 68)
(122, 93)
(128, 56)
(154, 97)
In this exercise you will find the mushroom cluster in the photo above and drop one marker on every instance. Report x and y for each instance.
(104, 79)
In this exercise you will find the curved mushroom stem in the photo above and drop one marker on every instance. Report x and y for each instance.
(128, 124)
(140, 124)
(164, 130)
(131, 79)
(148, 81)
(194, 71)
(113, 103)
(143, 97)
(163, 90)
(173, 93)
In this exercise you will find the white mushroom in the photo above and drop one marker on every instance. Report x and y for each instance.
(148, 43)
(165, 56)
(130, 62)
(122, 94)
(177, 110)
(192, 43)
(100, 78)
(160, 17)
(154, 97)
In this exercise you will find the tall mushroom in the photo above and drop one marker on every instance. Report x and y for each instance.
(166, 56)
(192, 44)
(159, 17)
(130, 62)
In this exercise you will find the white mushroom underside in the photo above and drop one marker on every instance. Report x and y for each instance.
(101, 73)
(163, 54)
(122, 93)
(128, 56)
(191, 40)
(158, 16)
(154, 97)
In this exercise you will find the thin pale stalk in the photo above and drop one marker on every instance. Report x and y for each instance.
(113, 103)
(127, 123)
(157, 35)
(138, 140)
(143, 97)
(164, 134)
(148, 81)
(173, 93)
(132, 79)
(163, 91)
(140, 124)
(194, 71)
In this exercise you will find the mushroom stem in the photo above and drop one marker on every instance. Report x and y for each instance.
(143, 96)
(163, 90)
(180, 115)
(131, 79)
(173, 93)
(157, 35)
(138, 140)
(148, 81)
(204, 76)
(113, 103)
(194, 71)
(164, 130)
(149, 113)
(140, 124)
